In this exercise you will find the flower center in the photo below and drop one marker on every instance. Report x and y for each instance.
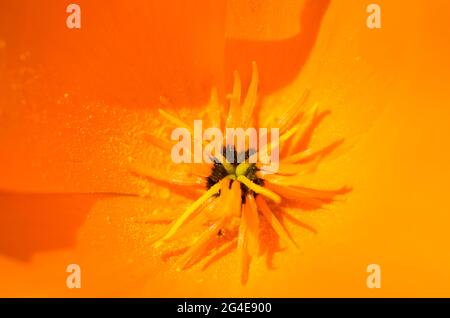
(238, 167)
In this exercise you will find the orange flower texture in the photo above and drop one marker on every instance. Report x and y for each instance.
(92, 204)
(237, 190)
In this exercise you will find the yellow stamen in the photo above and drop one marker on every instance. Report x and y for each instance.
(273, 221)
(195, 251)
(242, 168)
(159, 142)
(191, 209)
(233, 203)
(301, 140)
(228, 166)
(270, 146)
(174, 120)
(214, 109)
(292, 114)
(307, 156)
(258, 189)
(174, 178)
(285, 169)
(243, 248)
(250, 213)
(234, 112)
(250, 100)
(294, 219)
(295, 195)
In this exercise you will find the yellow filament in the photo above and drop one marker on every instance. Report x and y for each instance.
(243, 248)
(250, 213)
(235, 100)
(258, 189)
(273, 221)
(250, 100)
(174, 120)
(242, 168)
(191, 209)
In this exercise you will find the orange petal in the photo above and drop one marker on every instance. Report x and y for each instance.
(75, 106)
(178, 178)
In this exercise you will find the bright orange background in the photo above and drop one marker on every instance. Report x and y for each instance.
(75, 104)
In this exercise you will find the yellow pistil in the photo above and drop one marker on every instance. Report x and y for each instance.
(241, 169)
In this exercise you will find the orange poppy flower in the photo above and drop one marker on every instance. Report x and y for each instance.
(77, 108)
(238, 184)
